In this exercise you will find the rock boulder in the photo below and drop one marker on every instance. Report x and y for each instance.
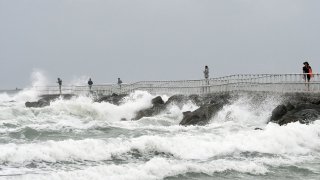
(113, 99)
(303, 113)
(202, 115)
(157, 106)
(37, 104)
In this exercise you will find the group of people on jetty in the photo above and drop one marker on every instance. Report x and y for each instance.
(306, 69)
(90, 83)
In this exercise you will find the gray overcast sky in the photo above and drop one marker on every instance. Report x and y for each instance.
(155, 39)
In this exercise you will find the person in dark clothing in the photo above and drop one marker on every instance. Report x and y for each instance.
(60, 84)
(307, 71)
(90, 83)
(119, 82)
(206, 72)
(206, 79)
(206, 75)
(307, 74)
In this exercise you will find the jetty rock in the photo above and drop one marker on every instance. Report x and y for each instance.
(180, 100)
(297, 107)
(209, 105)
(37, 104)
(303, 113)
(112, 99)
(157, 106)
(202, 115)
(46, 99)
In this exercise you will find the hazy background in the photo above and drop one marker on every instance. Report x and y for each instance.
(155, 39)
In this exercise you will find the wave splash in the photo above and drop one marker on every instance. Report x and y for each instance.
(30, 93)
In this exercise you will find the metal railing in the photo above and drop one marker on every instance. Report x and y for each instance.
(240, 82)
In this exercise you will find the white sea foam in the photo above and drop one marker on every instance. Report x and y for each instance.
(246, 111)
(156, 168)
(294, 139)
(52, 151)
(4, 97)
(84, 109)
(77, 112)
(82, 113)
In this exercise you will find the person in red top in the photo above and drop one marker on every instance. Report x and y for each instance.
(307, 71)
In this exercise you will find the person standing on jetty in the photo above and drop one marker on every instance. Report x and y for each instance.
(119, 82)
(90, 83)
(206, 74)
(60, 84)
(206, 77)
(307, 73)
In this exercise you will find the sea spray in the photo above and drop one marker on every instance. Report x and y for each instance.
(39, 81)
(248, 110)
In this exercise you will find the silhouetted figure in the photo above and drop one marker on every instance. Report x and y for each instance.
(307, 73)
(119, 82)
(60, 84)
(206, 72)
(206, 88)
(90, 83)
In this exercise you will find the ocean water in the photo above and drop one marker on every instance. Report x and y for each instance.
(80, 139)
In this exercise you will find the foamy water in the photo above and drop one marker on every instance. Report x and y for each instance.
(81, 139)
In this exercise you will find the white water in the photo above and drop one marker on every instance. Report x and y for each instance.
(80, 139)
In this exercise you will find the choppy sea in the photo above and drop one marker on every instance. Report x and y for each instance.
(80, 139)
